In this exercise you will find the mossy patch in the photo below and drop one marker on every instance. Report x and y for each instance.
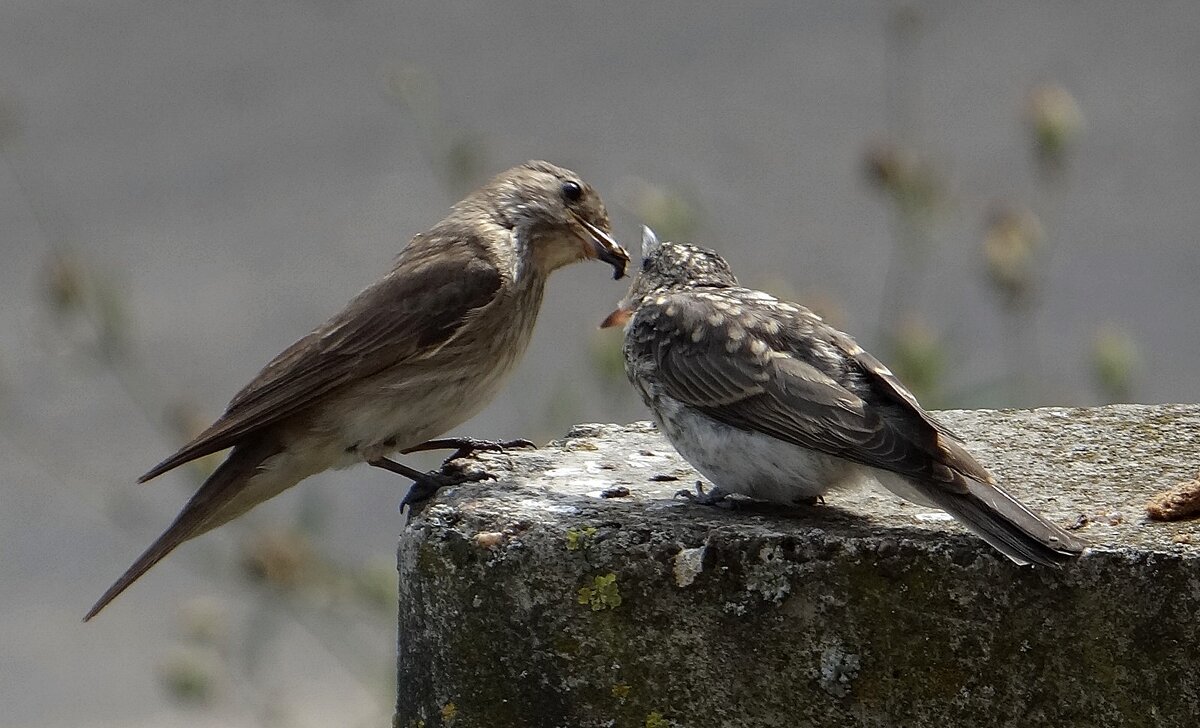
(577, 538)
(602, 594)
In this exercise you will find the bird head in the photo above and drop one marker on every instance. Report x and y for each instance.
(668, 267)
(556, 218)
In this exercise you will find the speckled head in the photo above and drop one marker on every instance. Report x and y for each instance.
(679, 265)
(668, 266)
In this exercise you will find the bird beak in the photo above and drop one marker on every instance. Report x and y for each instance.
(606, 248)
(620, 317)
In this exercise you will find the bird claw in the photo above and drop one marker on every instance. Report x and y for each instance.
(715, 496)
(464, 446)
(426, 484)
(425, 487)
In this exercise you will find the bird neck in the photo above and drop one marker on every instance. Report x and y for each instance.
(538, 254)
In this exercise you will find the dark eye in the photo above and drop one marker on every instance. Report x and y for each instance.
(571, 191)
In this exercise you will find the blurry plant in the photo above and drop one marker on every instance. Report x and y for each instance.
(915, 190)
(902, 36)
(204, 621)
(911, 183)
(413, 88)
(919, 360)
(88, 311)
(608, 361)
(673, 216)
(465, 161)
(87, 305)
(190, 674)
(564, 407)
(1116, 360)
(1011, 240)
(377, 585)
(459, 155)
(1055, 122)
(669, 213)
(280, 556)
(917, 194)
(192, 669)
(1015, 245)
(64, 283)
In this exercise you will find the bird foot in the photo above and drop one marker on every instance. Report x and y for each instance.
(464, 446)
(426, 484)
(424, 488)
(715, 496)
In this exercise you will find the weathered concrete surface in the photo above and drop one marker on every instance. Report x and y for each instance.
(533, 601)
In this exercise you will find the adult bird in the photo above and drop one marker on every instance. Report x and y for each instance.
(418, 352)
(767, 400)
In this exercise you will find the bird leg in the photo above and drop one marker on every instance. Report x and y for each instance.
(716, 496)
(426, 484)
(464, 446)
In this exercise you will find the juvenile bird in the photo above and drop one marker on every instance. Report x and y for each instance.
(415, 354)
(767, 400)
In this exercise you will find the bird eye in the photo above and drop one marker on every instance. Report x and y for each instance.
(571, 191)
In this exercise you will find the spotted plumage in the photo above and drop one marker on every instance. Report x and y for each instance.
(766, 399)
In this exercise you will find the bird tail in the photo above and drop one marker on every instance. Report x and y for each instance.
(201, 514)
(1010, 527)
(988, 511)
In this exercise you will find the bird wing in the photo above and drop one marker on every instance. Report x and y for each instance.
(418, 307)
(757, 364)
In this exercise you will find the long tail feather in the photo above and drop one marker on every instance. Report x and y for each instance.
(988, 511)
(197, 516)
(1010, 527)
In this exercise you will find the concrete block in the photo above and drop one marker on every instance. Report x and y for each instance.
(550, 597)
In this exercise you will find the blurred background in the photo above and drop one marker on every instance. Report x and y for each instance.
(998, 199)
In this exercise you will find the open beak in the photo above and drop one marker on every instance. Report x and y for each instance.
(620, 317)
(606, 248)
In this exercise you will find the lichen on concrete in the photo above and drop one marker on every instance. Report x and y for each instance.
(865, 611)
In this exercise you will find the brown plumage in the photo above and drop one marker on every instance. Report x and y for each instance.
(413, 355)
